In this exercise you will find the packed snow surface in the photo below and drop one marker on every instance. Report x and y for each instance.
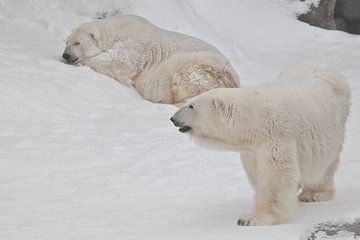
(83, 157)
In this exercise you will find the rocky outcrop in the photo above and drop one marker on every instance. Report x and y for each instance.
(347, 15)
(335, 230)
(334, 14)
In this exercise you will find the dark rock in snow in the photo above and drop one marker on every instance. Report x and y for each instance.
(336, 230)
(335, 14)
(347, 15)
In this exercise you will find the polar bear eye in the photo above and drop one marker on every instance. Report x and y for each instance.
(77, 43)
(191, 106)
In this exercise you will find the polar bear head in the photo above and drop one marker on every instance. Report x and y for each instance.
(91, 39)
(82, 44)
(210, 119)
(190, 118)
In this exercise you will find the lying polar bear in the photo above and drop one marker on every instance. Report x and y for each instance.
(163, 66)
(289, 132)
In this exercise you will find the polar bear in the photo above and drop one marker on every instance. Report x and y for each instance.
(289, 133)
(163, 66)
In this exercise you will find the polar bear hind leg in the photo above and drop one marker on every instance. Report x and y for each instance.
(323, 191)
(195, 78)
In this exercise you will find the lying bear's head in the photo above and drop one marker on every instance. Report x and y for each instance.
(82, 44)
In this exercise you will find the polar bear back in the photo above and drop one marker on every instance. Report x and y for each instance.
(311, 73)
(316, 77)
(136, 27)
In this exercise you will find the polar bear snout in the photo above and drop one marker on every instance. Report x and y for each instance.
(69, 58)
(66, 56)
(182, 126)
(184, 129)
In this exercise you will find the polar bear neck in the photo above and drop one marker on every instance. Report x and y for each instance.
(238, 122)
(214, 143)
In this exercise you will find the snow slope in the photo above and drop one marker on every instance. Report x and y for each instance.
(83, 157)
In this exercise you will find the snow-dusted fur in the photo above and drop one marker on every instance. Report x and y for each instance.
(289, 132)
(163, 66)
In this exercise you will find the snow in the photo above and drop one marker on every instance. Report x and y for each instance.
(84, 157)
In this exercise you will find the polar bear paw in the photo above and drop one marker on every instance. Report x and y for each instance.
(247, 220)
(255, 220)
(313, 196)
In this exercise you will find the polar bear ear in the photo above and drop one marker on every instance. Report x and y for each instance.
(95, 35)
(218, 104)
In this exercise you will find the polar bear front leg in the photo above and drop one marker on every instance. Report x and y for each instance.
(277, 182)
(248, 159)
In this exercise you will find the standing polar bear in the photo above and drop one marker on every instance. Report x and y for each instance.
(289, 132)
(163, 66)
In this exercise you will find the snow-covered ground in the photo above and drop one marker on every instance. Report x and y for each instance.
(83, 157)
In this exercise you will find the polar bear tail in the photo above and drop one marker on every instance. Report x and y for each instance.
(341, 88)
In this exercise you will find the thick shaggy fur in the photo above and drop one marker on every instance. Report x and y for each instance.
(289, 132)
(163, 66)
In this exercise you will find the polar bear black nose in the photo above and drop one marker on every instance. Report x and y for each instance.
(66, 56)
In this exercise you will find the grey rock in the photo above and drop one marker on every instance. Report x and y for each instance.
(341, 15)
(335, 230)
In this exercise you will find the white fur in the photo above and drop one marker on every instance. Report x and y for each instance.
(163, 66)
(289, 132)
